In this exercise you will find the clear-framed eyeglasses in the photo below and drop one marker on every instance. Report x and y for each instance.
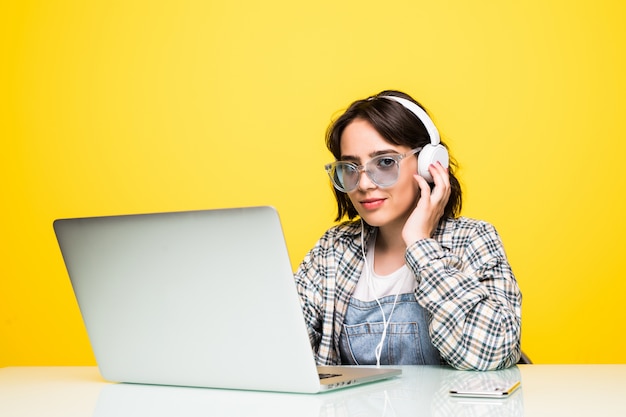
(382, 170)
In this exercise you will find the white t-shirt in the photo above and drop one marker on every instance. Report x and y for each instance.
(401, 281)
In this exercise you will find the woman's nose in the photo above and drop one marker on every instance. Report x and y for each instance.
(365, 182)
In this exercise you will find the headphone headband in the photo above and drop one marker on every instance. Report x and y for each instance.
(421, 114)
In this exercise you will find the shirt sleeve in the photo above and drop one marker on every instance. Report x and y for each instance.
(472, 297)
(309, 288)
(325, 280)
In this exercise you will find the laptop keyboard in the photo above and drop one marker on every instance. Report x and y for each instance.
(324, 376)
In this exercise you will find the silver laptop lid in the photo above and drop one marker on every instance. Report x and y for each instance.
(202, 298)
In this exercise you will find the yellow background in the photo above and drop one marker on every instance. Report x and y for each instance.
(112, 107)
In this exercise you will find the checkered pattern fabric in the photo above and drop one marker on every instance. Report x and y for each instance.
(464, 279)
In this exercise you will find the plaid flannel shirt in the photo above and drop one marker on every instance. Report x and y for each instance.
(464, 281)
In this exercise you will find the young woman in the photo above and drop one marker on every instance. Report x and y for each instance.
(405, 280)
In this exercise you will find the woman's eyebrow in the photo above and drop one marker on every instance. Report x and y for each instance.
(349, 158)
(371, 155)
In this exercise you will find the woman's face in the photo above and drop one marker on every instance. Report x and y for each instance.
(379, 206)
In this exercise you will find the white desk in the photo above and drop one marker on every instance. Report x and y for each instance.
(547, 390)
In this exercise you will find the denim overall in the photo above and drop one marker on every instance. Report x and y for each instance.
(407, 341)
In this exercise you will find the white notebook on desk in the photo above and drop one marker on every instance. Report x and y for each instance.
(200, 298)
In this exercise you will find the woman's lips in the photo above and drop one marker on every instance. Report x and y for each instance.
(372, 203)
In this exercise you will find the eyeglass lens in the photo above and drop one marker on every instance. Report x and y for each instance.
(382, 170)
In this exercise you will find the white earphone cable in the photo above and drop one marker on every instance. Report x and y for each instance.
(379, 348)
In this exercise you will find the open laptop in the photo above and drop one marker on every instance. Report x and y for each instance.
(198, 298)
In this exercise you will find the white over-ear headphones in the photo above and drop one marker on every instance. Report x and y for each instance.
(435, 151)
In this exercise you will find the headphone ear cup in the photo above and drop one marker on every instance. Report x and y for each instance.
(431, 154)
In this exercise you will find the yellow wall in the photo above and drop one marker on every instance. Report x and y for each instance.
(127, 106)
